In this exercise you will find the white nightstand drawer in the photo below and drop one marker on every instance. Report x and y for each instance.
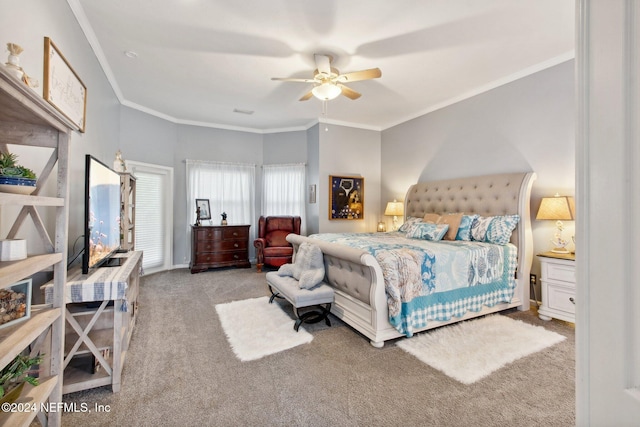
(565, 273)
(561, 298)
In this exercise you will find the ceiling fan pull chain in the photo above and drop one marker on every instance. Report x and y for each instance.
(325, 108)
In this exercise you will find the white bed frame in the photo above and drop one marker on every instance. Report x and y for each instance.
(360, 299)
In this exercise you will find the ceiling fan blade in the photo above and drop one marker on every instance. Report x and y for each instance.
(323, 64)
(355, 76)
(306, 96)
(349, 93)
(285, 79)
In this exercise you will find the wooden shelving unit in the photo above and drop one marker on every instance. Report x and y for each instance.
(26, 119)
(128, 211)
(99, 325)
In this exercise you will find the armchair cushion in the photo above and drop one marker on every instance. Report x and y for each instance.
(277, 238)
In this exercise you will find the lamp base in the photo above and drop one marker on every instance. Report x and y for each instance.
(560, 251)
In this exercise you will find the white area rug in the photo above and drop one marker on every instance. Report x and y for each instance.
(255, 328)
(472, 350)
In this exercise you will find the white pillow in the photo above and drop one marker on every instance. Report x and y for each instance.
(307, 267)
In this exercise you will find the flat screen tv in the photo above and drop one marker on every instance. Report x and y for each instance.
(101, 214)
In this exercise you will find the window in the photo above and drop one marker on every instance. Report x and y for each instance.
(154, 215)
(283, 191)
(230, 188)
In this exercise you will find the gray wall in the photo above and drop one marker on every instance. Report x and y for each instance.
(313, 178)
(348, 151)
(527, 125)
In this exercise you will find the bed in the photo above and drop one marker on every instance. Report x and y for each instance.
(363, 294)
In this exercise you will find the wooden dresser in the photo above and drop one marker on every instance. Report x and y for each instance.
(219, 246)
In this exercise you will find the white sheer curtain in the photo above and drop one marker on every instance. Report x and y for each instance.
(230, 188)
(283, 191)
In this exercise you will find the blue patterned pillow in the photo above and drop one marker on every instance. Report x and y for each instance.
(464, 231)
(408, 223)
(427, 231)
(494, 229)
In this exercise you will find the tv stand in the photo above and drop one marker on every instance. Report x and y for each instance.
(102, 308)
(114, 262)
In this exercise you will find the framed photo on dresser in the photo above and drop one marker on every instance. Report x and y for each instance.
(205, 210)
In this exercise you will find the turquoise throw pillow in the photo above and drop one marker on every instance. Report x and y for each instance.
(464, 230)
(494, 229)
(427, 231)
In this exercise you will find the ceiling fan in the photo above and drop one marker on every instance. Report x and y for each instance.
(328, 81)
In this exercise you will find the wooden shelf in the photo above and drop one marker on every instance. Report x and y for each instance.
(28, 200)
(12, 342)
(14, 271)
(78, 375)
(32, 395)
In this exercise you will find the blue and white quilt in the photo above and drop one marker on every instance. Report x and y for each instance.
(427, 281)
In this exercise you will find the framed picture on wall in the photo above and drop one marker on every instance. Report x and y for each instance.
(62, 87)
(346, 197)
(205, 210)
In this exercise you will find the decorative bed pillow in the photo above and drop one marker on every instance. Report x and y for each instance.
(453, 220)
(307, 268)
(408, 223)
(431, 217)
(464, 230)
(427, 231)
(494, 229)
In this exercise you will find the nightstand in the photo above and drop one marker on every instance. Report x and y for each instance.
(558, 283)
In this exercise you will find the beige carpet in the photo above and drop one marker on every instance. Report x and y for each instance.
(472, 350)
(180, 370)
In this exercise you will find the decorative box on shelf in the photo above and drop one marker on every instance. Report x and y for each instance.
(15, 303)
(13, 249)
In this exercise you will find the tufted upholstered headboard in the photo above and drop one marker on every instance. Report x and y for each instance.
(487, 195)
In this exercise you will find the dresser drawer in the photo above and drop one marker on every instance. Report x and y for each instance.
(221, 257)
(560, 298)
(205, 234)
(229, 233)
(564, 273)
(220, 245)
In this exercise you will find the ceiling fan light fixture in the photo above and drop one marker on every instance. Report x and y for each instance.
(326, 91)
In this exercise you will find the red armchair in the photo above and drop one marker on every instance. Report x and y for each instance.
(271, 245)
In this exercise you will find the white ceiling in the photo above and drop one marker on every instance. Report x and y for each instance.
(198, 60)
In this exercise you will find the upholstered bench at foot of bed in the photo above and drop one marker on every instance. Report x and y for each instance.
(320, 296)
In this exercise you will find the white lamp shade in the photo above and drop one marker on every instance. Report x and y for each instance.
(326, 91)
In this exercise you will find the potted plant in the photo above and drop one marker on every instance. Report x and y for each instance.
(15, 375)
(13, 177)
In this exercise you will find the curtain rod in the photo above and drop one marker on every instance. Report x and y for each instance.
(213, 162)
(284, 164)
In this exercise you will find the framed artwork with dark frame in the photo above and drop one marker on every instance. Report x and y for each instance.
(205, 210)
(346, 197)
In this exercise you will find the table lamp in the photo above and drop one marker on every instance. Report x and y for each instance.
(558, 208)
(394, 209)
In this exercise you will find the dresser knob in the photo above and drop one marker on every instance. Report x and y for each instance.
(572, 300)
(208, 246)
(236, 256)
(235, 245)
(235, 234)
